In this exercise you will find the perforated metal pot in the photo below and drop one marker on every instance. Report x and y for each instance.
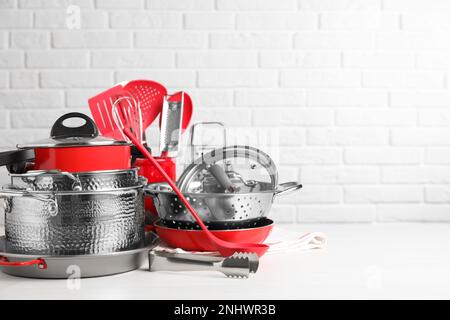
(217, 208)
(74, 222)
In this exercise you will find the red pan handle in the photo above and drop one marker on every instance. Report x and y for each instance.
(4, 262)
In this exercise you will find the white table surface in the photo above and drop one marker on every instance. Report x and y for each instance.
(381, 261)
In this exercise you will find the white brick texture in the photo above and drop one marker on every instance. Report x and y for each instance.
(350, 97)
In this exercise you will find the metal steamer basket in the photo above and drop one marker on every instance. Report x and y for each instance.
(217, 210)
(251, 201)
(75, 221)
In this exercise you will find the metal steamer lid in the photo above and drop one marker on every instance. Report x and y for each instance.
(86, 135)
(190, 175)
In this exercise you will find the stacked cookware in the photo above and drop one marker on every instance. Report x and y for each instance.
(77, 198)
(230, 187)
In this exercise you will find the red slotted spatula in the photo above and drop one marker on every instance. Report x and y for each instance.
(148, 94)
(101, 108)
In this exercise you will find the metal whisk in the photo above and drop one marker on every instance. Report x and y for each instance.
(127, 112)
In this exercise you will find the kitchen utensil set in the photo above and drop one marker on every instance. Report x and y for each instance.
(149, 94)
(149, 97)
(78, 197)
(224, 247)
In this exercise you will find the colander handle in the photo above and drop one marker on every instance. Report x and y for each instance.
(41, 264)
(152, 191)
(287, 187)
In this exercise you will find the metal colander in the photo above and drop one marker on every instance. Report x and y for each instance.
(249, 200)
(219, 208)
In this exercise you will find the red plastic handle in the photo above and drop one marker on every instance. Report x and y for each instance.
(41, 264)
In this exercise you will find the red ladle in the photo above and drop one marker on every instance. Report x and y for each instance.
(225, 248)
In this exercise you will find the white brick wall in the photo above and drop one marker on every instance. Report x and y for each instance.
(351, 97)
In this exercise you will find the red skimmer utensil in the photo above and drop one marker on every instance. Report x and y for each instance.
(225, 248)
(149, 94)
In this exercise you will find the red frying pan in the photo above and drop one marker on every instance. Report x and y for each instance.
(196, 240)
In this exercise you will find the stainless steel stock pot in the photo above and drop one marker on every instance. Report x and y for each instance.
(82, 220)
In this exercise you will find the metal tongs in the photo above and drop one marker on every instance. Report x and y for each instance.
(239, 265)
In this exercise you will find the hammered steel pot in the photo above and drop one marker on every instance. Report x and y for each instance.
(55, 180)
(74, 222)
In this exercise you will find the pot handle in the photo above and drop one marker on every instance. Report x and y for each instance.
(41, 264)
(76, 185)
(52, 205)
(60, 131)
(287, 187)
(16, 156)
(152, 191)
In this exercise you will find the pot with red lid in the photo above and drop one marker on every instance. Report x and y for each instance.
(71, 149)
